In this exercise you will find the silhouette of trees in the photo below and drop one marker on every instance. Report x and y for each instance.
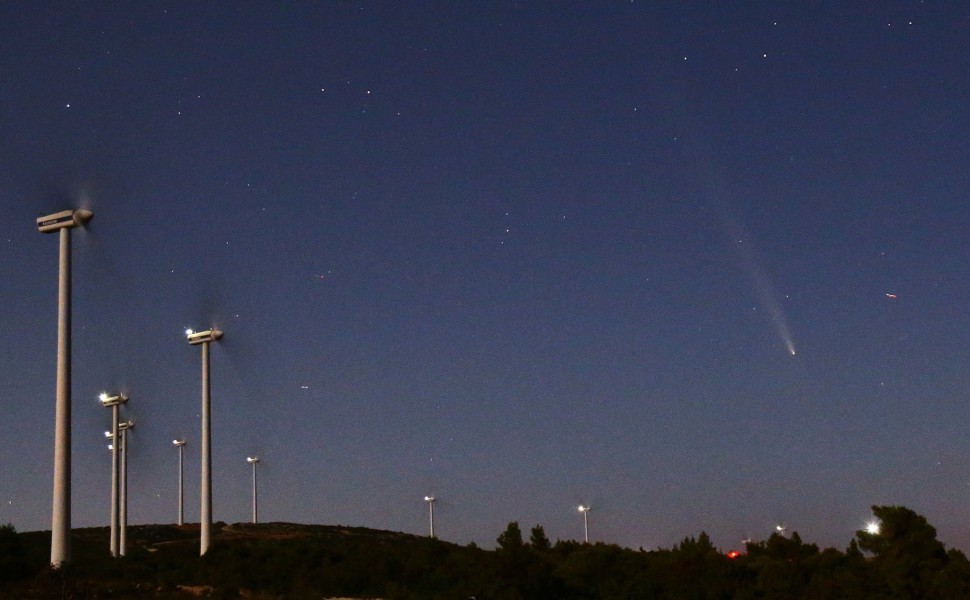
(784, 565)
(908, 561)
(538, 539)
(903, 560)
(13, 567)
(510, 540)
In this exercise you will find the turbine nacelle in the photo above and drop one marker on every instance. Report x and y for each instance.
(66, 219)
(201, 337)
(107, 400)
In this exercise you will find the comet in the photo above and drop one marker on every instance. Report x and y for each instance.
(763, 287)
(767, 296)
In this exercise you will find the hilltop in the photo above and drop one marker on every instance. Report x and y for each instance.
(264, 560)
(901, 558)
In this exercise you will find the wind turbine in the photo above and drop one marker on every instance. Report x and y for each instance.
(180, 444)
(583, 508)
(114, 403)
(205, 338)
(430, 500)
(63, 222)
(122, 538)
(254, 460)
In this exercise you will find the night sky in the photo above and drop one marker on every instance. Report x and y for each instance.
(702, 266)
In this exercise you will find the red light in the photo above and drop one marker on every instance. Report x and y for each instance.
(733, 554)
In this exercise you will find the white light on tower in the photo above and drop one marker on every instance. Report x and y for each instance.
(180, 444)
(430, 500)
(63, 222)
(114, 403)
(585, 510)
(204, 338)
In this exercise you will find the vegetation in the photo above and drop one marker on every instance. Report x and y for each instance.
(280, 560)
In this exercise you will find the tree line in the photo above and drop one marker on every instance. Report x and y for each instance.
(903, 559)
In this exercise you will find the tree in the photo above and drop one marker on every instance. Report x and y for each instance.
(695, 569)
(906, 553)
(696, 548)
(512, 565)
(784, 565)
(538, 539)
(13, 565)
(954, 580)
(779, 547)
(511, 538)
(901, 532)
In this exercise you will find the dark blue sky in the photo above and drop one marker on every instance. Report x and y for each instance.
(520, 256)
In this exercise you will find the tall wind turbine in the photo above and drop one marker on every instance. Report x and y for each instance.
(180, 444)
(114, 403)
(205, 338)
(254, 460)
(430, 500)
(63, 222)
(123, 502)
(583, 508)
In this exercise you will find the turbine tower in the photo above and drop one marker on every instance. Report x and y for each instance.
(114, 403)
(63, 222)
(253, 460)
(180, 444)
(123, 440)
(430, 500)
(205, 338)
(583, 508)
